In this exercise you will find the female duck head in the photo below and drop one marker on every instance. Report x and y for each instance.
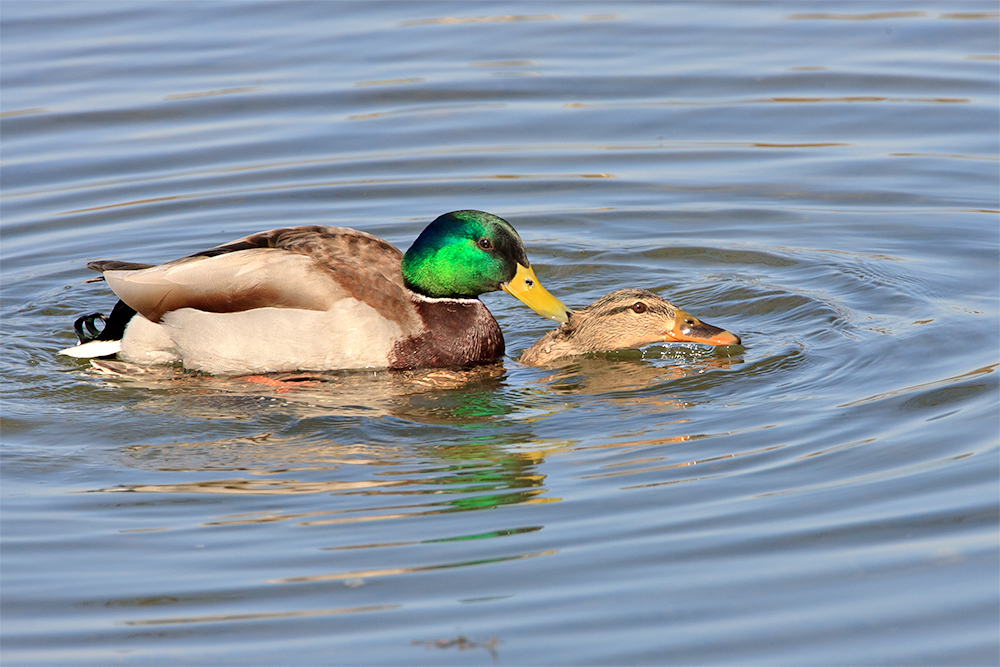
(463, 254)
(621, 320)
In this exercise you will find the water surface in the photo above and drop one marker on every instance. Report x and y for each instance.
(820, 178)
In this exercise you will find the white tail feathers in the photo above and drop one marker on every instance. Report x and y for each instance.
(95, 348)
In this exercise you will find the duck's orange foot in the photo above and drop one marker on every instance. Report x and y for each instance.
(292, 384)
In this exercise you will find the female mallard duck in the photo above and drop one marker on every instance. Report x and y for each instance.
(321, 298)
(622, 320)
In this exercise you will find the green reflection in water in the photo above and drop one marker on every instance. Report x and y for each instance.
(481, 536)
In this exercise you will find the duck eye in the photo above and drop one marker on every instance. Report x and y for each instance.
(485, 244)
(639, 307)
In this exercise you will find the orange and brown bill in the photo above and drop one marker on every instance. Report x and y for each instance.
(690, 329)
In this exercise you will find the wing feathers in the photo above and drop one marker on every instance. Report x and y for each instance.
(228, 283)
(112, 265)
(307, 268)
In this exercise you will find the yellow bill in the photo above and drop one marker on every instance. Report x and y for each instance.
(525, 287)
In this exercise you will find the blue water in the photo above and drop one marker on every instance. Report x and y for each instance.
(820, 178)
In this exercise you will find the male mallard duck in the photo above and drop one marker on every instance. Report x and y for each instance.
(321, 298)
(622, 320)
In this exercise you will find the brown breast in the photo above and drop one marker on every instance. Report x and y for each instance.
(456, 333)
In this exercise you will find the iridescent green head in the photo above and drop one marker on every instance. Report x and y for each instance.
(463, 254)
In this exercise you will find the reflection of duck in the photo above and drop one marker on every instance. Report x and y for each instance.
(468, 395)
(623, 319)
(321, 298)
(666, 381)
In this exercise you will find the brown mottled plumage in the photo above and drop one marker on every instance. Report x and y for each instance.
(622, 320)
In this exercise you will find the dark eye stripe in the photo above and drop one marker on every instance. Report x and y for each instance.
(621, 309)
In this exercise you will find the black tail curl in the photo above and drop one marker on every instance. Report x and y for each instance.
(114, 324)
(92, 332)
